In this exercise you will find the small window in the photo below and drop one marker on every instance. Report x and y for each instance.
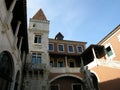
(54, 87)
(51, 48)
(51, 63)
(60, 48)
(109, 51)
(36, 58)
(37, 39)
(70, 48)
(34, 25)
(60, 64)
(72, 64)
(79, 49)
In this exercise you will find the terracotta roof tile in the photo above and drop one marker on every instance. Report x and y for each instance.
(40, 15)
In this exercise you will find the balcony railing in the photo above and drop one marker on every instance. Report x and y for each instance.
(35, 66)
(65, 70)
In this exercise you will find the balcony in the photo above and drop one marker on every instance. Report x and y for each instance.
(65, 70)
(35, 66)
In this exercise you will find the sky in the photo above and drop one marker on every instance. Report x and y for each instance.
(78, 20)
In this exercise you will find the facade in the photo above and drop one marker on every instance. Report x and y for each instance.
(65, 63)
(53, 61)
(13, 43)
(37, 65)
(107, 68)
(55, 64)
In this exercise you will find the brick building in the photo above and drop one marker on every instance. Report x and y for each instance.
(107, 68)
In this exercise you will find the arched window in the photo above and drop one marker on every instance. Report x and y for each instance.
(6, 70)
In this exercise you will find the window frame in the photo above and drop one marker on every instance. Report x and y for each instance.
(36, 61)
(68, 46)
(39, 37)
(111, 56)
(59, 49)
(60, 60)
(77, 84)
(78, 49)
(52, 45)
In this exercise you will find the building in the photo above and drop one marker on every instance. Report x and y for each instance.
(13, 43)
(37, 65)
(65, 63)
(107, 67)
(53, 61)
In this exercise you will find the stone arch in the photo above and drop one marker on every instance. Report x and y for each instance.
(66, 82)
(6, 70)
(63, 75)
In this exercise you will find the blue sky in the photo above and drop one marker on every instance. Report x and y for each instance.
(79, 20)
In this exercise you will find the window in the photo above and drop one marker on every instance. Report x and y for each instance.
(77, 86)
(70, 48)
(54, 87)
(79, 49)
(60, 48)
(37, 39)
(109, 51)
(51, 63)
(51, 48)
(60, 64)
(71, 64)
(36, 58)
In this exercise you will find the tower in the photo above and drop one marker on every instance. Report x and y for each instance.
(37, 64)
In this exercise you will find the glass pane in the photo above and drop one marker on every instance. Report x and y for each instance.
(50, 46)
(60, 64)
(39, 60)
(39, 39)
(60, 47)
(51, 63)
(33, 59)
(79, 49)
(70, 49)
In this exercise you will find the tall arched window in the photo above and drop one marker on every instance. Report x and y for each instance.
(6, 70)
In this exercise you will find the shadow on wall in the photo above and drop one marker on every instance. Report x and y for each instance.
(110, 85)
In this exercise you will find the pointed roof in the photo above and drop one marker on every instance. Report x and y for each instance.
(59, 36)
(40, 15)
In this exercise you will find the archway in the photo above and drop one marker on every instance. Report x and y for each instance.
(95, 81)
(66, 82)
(6, 70)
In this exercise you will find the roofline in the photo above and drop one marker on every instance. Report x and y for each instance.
(109, 35)
(68, 41)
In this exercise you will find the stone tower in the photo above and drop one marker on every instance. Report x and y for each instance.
(37, 64)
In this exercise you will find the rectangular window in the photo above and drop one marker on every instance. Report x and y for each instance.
(77, 86)
(79, 49)
(51, 47)
(70, 48)
(60, 48)
(54, 87)
(36, 58)
(109, 51)
(60, 64)
(37, 39)
(51, 63)
(71, 64)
